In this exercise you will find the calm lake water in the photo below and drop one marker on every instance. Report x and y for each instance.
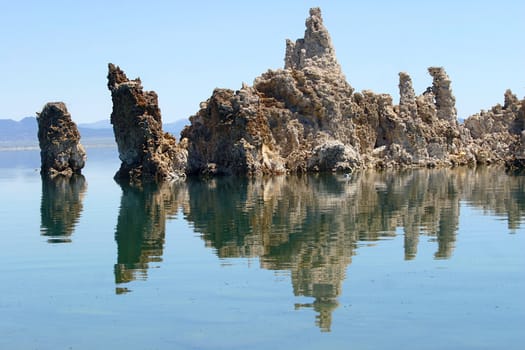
(423, 259)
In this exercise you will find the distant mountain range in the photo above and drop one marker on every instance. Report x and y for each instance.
(23, 133)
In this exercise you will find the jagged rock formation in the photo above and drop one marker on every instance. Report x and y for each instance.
(60, 150)
(306, 117)
(445, 101)
(315, 49)
(294, 119)
(420, 131)
(146, 152)
(499, 134)
(407, 97)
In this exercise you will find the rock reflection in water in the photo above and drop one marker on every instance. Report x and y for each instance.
(141, 229)
(61, 206)
(497, 194)
(311, 225)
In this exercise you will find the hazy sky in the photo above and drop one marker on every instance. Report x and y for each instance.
(59, 50)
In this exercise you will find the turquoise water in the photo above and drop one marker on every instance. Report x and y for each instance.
(426, 259)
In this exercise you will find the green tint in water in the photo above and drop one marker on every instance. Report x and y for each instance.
(424, 259)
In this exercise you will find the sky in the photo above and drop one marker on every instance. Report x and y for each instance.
(59, 50)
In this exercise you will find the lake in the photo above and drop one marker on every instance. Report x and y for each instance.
(417, 259)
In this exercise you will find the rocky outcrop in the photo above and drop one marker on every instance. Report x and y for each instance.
(498, 134)
(307, 118)
(295, 119)
(417, 132)
(230, 135)
(60, 150)
(146, 152)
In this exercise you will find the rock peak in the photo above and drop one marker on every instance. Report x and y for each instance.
(116, 76)
(445, 100)
(146, 152)
(407, 96)
(315, 12)
(315, 49)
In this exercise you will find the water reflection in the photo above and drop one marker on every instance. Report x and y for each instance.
(311, 226)
(140, 231)
(61, 206)
(291, 223)
(497, 194)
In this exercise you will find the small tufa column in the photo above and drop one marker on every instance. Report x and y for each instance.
(445, 101)
(315, 49)
(407, 97)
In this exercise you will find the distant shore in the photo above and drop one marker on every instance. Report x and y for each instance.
(30, 145)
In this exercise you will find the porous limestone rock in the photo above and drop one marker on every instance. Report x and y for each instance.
(445, 101)
(497, 133)
(60, 150)
(229, 135)
(146, 152)
(407, 97)
(410, 134)
(333, 155)
(315, 49)
(498, 119)
(289, 120)
(306, 117)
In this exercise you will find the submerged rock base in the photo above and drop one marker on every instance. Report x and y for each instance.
(60, 150)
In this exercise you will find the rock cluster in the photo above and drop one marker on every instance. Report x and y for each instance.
(60, 150)
(146, 152)
(306, 117)
(411, 133)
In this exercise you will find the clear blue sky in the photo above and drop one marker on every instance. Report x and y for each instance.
(59, 50)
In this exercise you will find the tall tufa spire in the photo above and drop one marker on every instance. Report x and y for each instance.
(314, 49)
